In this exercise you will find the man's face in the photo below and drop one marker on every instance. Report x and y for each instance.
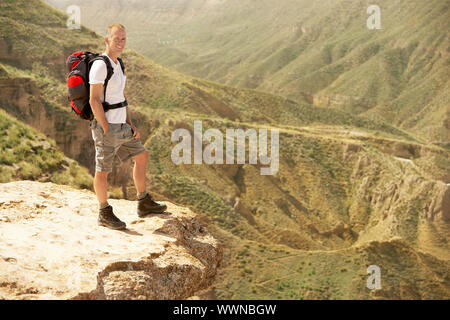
(117, 40)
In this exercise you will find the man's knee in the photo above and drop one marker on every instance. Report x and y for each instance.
(141, 158)
(102, 175)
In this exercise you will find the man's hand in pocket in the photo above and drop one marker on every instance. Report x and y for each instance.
(136, 134)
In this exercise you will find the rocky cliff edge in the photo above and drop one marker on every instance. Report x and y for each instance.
(52, 248)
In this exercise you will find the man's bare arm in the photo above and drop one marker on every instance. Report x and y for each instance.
(136, 134)
(128, 114)
(96, 105)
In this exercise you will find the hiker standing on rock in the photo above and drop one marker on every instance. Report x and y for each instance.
(113, 131)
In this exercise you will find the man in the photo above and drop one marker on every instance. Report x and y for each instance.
(114, 133)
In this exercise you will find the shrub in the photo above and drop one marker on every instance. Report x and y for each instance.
(60, 177)
(28, 170)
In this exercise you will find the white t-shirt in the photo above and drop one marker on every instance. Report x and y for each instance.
(114, 90)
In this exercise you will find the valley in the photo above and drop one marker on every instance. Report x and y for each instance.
(350, 191)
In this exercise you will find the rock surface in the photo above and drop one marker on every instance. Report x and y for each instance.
(52, 248)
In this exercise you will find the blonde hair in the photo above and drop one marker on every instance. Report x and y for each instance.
(115, 25)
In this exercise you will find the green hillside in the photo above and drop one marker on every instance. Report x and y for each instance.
(350, 191)
(27, 154)
(321, 50)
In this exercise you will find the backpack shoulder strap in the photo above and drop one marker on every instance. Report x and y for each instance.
(109, 74)
(121, 64)
(109, 70)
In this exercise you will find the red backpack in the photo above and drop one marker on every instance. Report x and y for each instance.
(78, 65)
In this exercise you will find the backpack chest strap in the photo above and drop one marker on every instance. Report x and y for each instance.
(107, 106)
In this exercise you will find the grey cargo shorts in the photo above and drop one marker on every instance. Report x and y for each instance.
(117, 140)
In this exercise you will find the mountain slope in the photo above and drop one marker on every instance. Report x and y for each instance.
(36, 70)
(28, 155)
(319, 50)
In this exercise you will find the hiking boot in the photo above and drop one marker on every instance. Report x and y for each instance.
(147, 206)
(108, 219)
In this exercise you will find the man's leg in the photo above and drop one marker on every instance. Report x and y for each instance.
(106, 217)
(105, 145)
(140, 165)
(101, 186)
(145, 203)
